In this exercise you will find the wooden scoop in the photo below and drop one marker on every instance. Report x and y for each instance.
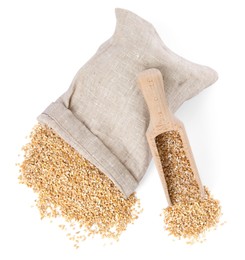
(162, 120)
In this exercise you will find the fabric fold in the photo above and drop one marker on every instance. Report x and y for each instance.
(74, 132)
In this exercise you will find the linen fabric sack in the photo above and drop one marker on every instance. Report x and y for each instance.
(103, 114)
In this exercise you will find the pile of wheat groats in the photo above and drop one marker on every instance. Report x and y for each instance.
(70, 187)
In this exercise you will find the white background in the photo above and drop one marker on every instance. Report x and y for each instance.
(44, 43)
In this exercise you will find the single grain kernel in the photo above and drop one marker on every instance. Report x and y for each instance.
(191, 215)
(70, 187)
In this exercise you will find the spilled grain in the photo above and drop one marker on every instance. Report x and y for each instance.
(70, 187)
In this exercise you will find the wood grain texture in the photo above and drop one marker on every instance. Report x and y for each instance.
(162, 120)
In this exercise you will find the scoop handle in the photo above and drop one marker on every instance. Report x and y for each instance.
(151, 84)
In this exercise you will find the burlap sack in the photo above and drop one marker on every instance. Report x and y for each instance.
(103, 115)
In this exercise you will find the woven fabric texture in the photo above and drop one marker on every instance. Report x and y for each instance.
(103, 114)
